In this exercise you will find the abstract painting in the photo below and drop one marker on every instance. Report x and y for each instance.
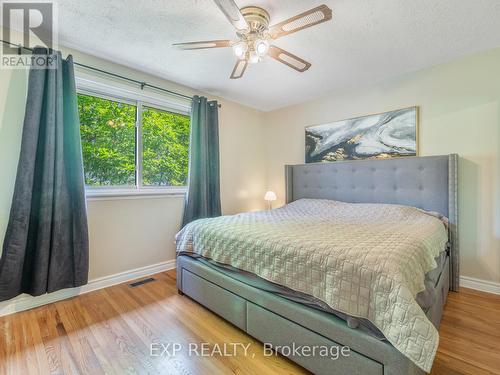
(384, 135)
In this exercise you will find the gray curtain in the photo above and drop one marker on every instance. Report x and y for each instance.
(203, 197)
(46, 243)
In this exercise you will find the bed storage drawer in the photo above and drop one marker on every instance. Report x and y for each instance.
(213, 297)
(272, 328)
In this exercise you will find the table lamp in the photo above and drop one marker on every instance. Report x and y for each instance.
(270, 197)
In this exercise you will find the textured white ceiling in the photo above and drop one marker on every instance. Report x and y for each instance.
(367, 41)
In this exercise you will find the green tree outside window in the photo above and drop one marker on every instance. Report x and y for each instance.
(108, 131)
(165, 148)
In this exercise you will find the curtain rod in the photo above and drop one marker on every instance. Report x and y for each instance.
(140, 83)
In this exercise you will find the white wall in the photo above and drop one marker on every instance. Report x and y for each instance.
(460, 113)
(132, 233)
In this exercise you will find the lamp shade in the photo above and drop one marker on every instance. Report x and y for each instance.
(270, 196)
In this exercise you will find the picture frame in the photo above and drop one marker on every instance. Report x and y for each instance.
(377, 136)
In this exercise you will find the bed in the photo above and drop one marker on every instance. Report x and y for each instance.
(273, 315)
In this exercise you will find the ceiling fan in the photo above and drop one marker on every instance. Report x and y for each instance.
(254, 35)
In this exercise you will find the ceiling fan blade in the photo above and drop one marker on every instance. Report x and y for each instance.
(239, 69)
(289, 59)
(301, 21)
(232, 13)
(203, 44)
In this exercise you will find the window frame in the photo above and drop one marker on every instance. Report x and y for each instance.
(139, 99)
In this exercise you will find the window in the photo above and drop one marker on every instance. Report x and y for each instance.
(108, 141)
(165, 153)
(132, 144)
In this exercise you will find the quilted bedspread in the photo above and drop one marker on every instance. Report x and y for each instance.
(365, 260)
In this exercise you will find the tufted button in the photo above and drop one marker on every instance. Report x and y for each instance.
(395, 187)
(420, 188)
(334, 188)
(306, 186)
(373, 187)
(354, 170)
(421, 168)
(372, 169)
(395, 169)
(353, 187)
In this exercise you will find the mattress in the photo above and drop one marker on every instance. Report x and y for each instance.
(426, 299)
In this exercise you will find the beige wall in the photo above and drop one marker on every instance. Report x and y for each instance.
(460, 113)
(130, 233)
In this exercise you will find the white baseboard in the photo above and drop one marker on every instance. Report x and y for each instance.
(481, 285)
(26, 302)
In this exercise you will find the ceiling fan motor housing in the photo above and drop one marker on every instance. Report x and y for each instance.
(257, 18)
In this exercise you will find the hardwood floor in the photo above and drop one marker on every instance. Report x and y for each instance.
(110, 331)
(469, 334)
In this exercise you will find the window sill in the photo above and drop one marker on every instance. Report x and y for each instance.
(117, 193)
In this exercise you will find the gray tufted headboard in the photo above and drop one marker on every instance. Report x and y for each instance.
(428, 182)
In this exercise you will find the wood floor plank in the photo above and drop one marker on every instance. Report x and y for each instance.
(110, 331)
(114, 337)
(80, 337)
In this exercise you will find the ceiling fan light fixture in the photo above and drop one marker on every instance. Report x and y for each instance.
(240, 49)
(261, 47)
(253, 57)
